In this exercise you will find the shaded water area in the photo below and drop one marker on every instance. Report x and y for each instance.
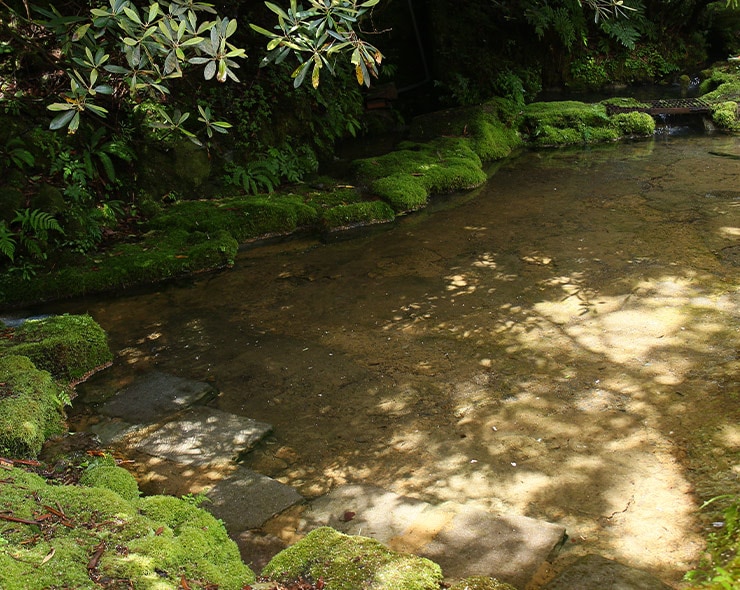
(561, 343)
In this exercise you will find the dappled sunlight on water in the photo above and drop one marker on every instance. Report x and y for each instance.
(563, 344)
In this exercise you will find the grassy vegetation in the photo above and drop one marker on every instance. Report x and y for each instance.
(720, 568)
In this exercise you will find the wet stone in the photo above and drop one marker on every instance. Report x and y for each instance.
(154, 395)
(363, 510)
(203, 436)
(593, 572)
(511, 548)
(247, 499)
(463, 540)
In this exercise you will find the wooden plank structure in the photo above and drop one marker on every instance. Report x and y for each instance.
(666, 106)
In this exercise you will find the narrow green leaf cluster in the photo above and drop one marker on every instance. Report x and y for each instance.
(317, 34)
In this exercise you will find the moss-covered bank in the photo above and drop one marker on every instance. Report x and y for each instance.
(445, 152)
(72, 536)
(39, 362)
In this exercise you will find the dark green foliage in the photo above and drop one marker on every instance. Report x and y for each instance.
(30, 407)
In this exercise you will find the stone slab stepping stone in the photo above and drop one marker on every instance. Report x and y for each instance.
(463, 540)
(154, 395)
(246, 499)
(203, 436)
(594, 572)
(113, 431)
(363, 510)
(508, 547)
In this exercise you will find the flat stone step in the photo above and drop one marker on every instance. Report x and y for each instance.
(246, 499)
(464, 540)
(594, 572)
(155, 395)
(203, 436)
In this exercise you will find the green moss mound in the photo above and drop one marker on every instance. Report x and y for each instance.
(548, 124)
(634, 124)
(406, 177)
(30, 407)
(67, 346)
(364, 213)
(725, 115)
(111, 477)
(136, 545)
(349, 563)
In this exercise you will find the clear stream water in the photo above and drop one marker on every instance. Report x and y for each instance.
(561, 343)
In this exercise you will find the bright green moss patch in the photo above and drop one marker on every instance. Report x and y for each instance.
(113, 478)
(566, 123)
(725, 115)
(68, 346)
(634, 124)
(135, 547)
(406, 177)
(30, 407)
(349, 563)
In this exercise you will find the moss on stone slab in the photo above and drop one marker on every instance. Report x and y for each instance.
(139, 547)
(366, 212)
(30, 410)
(346, 562)
(481, 583)
(67, 346)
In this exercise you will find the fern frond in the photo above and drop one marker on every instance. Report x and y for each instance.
(36, 221)
(7, 243)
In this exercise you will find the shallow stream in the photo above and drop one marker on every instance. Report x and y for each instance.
(561, 343)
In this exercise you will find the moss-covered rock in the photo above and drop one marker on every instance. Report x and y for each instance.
(634, 124)
(364, 213)
(403, 192)
(725, 115)
(481, 583)
(566, 123)
(111, 477)
(349, 563)
(406, 177)
(152, 543)
(30, 407)
(67, 346)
